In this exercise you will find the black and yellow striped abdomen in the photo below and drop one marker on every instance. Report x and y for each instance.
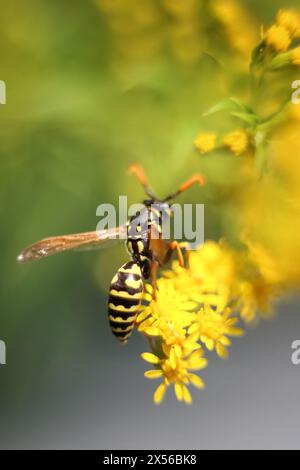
(125, 295)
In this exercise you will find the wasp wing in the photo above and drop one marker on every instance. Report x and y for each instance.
(77, 241)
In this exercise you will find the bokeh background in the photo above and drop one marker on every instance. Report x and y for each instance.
(93, 86)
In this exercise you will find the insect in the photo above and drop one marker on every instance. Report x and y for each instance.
(145, 244)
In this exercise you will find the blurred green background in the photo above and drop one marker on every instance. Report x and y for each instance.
(77, 115)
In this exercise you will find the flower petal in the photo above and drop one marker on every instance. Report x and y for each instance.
(196, 381)
(159, 393)
(149, 357)
(187, 397)
(221, 351)
(153, 374)
(178, 391)
(152, 331)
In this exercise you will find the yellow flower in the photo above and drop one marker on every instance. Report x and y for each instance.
(211, 274)
(296, 56)
(225, 11)
(174, 370)
(254, 296)
(278, 38)
(168, 314)
(205, 142)
(213, 327)
(290, 20)
(239, 26)
(294, 114)
(236, 141)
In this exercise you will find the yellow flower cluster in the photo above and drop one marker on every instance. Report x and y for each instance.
(174, 369)
(237, 142)
(205, 142)
(280, 36)
(196, 308)
(239, 26)
(290, 20)
(143, 30)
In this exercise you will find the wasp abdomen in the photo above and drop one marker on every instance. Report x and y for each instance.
(125, 295)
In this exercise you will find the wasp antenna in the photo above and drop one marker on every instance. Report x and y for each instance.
(138, 170)
(197, 178)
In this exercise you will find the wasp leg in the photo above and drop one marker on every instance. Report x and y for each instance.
(187, 255)
(178, 247)
(198, 178)
(153, 275)
(138, 170)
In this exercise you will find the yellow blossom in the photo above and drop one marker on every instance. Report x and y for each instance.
(225, 10)
(175, 370)
(294, 114)
(236, 141)
(170, 311)
(295, 53)
(205, 142)
(278, 38)
(213, 327)
(238, 24)
(290, 20)
(254, 296)
(211, 274)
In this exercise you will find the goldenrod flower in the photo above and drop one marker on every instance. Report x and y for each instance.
(226, 11)
(294, 113)
(290, 20)
(213, 327)
(237, 141)
(254, 296)
(205, 142)
(211, 274)
(174, 370)
(278, 38)
(239, 26)
(171, 310)
(295, 53)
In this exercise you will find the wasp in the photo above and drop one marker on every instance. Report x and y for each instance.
(146, 247)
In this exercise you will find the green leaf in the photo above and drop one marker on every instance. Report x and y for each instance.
(228, 104)
(249, 118)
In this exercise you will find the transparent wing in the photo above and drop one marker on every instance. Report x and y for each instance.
(77, 241)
